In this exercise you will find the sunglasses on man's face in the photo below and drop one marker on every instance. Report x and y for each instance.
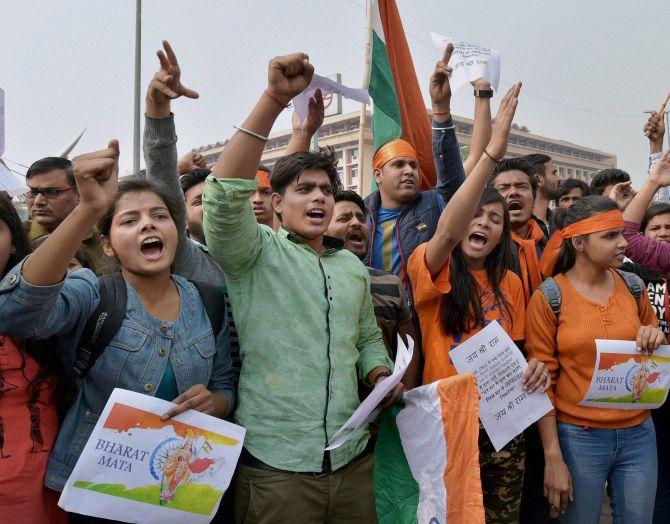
(49, 192)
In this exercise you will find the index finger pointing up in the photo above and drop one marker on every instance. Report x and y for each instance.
(661, 108)
(170, 53)
(447, 53)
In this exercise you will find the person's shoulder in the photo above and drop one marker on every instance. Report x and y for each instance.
(511, 281)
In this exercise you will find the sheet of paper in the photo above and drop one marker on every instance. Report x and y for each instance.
(137, 468)
(10, 182)
(365, 411)
(469, 62)
(504, 408)
(623, 378)
(301, 102)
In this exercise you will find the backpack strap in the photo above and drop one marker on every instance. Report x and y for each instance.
(634, 284)
(103, 324)
(215, 304)
(552, 293)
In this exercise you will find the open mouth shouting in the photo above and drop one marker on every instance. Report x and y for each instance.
(515, 206)
(152, 248)
(316, 216)
(477, 240)
(356, 239)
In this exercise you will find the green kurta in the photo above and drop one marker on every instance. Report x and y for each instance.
(306, 326)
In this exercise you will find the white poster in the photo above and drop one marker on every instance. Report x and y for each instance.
(624, 378)
(301, 102)
(2, 122)
(366, 412)
(504, 408)
(137, 468)
(469, 62)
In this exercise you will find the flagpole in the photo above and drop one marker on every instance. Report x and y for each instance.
(364, 181)
(138, 72)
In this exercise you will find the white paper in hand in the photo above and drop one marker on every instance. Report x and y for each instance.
(301, 102)
(362, 415)
(469, 62)
(504, 408)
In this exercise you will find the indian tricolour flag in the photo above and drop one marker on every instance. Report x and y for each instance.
(398, 107)
(427, 456)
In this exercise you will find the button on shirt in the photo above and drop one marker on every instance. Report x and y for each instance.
(306, 328)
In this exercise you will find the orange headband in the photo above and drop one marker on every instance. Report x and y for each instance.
(600, 222)
(391, 150)
(263, 178)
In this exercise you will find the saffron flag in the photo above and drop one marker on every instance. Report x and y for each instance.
(399, 110)
(427, 456)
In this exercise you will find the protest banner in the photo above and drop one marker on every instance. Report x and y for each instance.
(505, 409)
(367, 411)
(469, 62)
(137, 468)
(624, 378)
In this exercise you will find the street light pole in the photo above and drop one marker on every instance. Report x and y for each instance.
(138, 73)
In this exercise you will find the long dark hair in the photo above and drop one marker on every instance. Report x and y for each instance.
(45, 352)
(584, 208)
(461, 310)
(20, 243)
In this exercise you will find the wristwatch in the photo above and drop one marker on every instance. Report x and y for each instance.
(484, 93)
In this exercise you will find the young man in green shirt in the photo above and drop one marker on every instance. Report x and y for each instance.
(307, 328)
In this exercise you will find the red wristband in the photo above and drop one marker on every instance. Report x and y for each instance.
(441, 113)
(275, 99)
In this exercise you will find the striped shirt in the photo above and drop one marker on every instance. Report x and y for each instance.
(391, 311)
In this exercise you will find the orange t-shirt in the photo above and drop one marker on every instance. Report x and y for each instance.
(428, 293)
(28, 429)
(569, 350)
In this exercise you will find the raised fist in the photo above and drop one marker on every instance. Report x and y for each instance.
(96, 176)
(289, 75)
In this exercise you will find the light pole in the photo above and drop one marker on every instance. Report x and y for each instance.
(138, 73)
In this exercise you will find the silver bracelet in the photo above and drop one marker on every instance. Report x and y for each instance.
(443, 128)
(251, 133)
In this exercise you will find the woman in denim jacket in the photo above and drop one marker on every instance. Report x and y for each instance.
(165, 346)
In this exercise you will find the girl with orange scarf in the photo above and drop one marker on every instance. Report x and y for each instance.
(587, 447)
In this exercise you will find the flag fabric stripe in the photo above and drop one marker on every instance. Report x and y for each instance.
(395, 90)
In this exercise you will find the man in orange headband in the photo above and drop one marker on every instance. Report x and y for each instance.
(402, 216)
(514, 180)
(261, 200)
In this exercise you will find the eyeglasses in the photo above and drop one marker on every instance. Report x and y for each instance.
(49, 192)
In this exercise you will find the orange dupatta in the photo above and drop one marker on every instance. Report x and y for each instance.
(530, 264)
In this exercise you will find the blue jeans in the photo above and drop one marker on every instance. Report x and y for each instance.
(624, 458)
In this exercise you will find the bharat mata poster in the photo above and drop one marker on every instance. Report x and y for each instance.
(137, 468)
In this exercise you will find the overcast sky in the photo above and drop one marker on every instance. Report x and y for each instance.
(589, 69)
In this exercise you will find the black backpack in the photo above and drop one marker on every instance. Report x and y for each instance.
(106, 320)
(552, 292)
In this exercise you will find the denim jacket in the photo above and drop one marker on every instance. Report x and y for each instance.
(134, 360)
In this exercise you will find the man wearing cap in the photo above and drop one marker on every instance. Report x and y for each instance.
(261, 200)
(401, 215)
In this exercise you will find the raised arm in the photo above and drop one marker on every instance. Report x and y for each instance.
(481, 131)
(301, 139)
(160, 139)
(659, 177)
(287, 77)
(459, 211)
(96, 176)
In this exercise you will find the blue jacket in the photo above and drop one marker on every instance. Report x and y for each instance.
(418, 219)
(135, 358)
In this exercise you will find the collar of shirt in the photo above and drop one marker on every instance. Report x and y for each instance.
(331, 244)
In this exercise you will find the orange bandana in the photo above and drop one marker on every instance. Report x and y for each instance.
(391, 150)
(600, 222)
(263, 178)
(530, 265)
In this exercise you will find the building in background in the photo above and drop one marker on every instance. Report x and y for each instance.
(340, 132)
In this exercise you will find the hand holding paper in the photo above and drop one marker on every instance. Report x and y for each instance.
(469, 61)
(301, 101)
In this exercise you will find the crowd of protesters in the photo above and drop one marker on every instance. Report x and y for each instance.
(274, 298)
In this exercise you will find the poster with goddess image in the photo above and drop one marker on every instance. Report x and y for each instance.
(624, 378)
(136, 467)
